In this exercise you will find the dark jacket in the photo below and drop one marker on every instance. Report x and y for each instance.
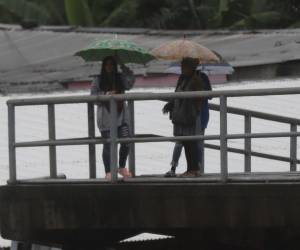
(205, 108)
(195, 83)
(184, 113)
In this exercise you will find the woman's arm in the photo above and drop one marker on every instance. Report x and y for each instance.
(95, 86)
(198, 85)
(127, 76)
(207, 85)
(95, 89)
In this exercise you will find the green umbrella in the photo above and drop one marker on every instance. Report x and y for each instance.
(127, 51)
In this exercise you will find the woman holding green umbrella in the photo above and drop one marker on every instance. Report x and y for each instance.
(111, 81)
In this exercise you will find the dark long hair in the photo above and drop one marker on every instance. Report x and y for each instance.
(107, 84)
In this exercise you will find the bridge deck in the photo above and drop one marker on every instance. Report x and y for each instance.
(63, 211)
(259, 177)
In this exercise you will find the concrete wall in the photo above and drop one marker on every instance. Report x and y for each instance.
(95, 214)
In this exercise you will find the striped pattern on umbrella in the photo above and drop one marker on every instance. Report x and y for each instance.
(179, 49)
(127, 51)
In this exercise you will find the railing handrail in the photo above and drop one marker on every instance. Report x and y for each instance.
(213, 137)
(131, 97)
(152, 96)
(216, 107)
(256, 114)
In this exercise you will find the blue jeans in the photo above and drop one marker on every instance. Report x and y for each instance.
(178, 149)
(123, 132)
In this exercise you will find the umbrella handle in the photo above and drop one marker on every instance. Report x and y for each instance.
(117, 58)
(119, 61)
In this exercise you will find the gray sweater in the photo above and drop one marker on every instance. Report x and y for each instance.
(103, 114)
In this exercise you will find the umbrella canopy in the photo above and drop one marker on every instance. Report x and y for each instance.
(220, 68)
(209, 69)
(179, 49)
(127, 51)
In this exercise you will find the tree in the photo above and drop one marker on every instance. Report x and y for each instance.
(162, 14)
(290, 9)
(36, 11)
(248, 14)
(78, 13)
(21, 11)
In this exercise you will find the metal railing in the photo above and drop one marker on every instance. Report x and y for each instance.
(91, 140)
(248, 152)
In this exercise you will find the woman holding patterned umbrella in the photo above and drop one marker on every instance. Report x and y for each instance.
(186, 113)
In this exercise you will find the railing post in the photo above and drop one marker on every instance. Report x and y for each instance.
(132, 133)
(223, 138)
(113, 140)
(52, 137)
(202, 152)
(293, 149)
(247, 143)
(11, 144)
(91, 134)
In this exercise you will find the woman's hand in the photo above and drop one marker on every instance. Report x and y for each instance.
(118, 59)
(167, 108)
(122, 65)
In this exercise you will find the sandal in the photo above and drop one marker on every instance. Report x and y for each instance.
(170, 174)
(125, 172)
(191, 174)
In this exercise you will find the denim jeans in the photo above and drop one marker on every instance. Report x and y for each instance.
(191, 155)
(123, 132)
(178, 149)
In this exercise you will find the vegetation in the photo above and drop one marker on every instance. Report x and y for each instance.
(159, 14)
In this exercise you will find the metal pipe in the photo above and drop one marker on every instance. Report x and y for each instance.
(263, 135)
(208, 137)
(91, 134)
(85, 141)
(247, 144)
(59, 100)
(155, 96)
(62, 142)
(253, 153)
(168, 138)
(52, 137)
(11, 144)
(202, 163)
(256, 114)
(132, 134)
(223, 138)
(113, 140)
(215, 93)
(293, 149)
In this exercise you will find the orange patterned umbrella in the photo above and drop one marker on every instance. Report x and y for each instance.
(179, 49)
